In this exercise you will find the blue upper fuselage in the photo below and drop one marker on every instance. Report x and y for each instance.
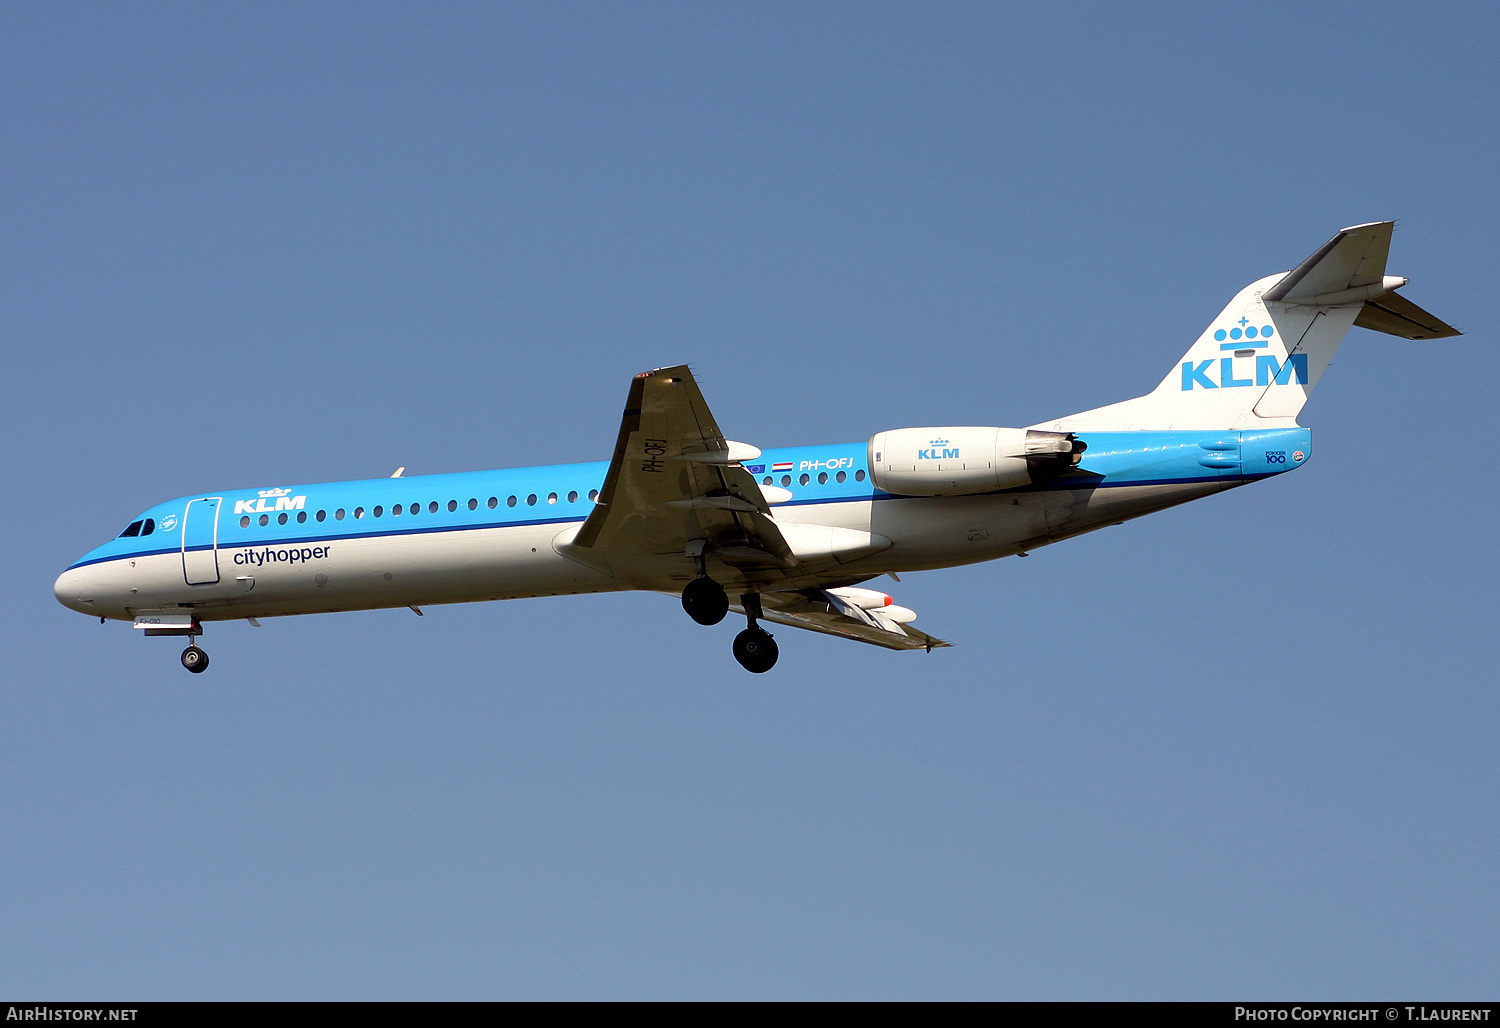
(555, 494)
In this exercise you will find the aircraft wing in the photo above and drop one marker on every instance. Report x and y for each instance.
(675, 479)
(824, 610)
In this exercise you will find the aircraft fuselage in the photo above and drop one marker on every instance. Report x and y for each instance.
(493, 535)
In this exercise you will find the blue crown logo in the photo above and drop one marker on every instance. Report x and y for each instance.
(1246, 331)
(938, 442)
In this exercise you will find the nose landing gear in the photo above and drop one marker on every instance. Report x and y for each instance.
(176, 622)
(194, 659)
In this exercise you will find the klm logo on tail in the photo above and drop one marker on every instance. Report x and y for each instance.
(1244, 339)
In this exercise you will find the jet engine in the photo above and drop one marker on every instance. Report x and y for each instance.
(961, 461)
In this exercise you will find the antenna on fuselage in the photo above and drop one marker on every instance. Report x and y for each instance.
(398, 472)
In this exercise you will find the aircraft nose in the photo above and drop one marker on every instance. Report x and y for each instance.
(74, 590)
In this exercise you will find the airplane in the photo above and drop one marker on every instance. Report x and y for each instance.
(787, 536)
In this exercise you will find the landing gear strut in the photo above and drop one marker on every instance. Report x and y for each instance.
(194, 659)
(754, 648)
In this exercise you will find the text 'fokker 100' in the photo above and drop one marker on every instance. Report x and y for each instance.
(785, 536)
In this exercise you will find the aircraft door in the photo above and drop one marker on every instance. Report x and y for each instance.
(200, 541)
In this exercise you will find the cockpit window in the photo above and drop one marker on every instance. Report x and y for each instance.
(148, 527)
(134, 529)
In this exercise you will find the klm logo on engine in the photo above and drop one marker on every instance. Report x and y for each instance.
(268, 501)
(938, 449)
(1244, 339)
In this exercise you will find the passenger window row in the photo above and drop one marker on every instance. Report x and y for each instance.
(842, 476)
(398, 510)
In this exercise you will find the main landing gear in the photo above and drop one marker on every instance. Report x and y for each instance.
(706, 603)
(755, 650)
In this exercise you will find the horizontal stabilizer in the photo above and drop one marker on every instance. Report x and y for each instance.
(1353, 258)
(1395, 315)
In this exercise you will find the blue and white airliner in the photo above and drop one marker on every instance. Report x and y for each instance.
(787, 536)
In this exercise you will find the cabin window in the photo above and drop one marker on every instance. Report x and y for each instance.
(593, 495)
(510, 501)
(245, 521)
(822, 478)
(766, 480)
(573, 496)
(473, 503)
(396, 510)
(131, 530)
(378, 511)
(302, 517)
(265, 519)
(452, 506)
(494, 502)
(804, 479)
(859, 476)
(338, 515)
(551, 497)
(281, 518)
(531, 500)
(786, 480)
(432, 507)
(359, 512)
(322, 515)
(842, 475)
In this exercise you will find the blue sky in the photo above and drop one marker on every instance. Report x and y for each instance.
(1240, 749)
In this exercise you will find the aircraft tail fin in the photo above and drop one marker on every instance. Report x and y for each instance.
(1258, 361)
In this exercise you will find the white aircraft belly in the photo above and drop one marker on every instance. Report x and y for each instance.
(367, 573)
(936, 532)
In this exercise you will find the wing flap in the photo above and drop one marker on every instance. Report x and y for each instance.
(825, 612)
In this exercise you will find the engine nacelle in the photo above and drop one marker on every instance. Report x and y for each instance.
(961, 461)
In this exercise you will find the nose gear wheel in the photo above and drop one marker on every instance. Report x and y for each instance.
(195, 660)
